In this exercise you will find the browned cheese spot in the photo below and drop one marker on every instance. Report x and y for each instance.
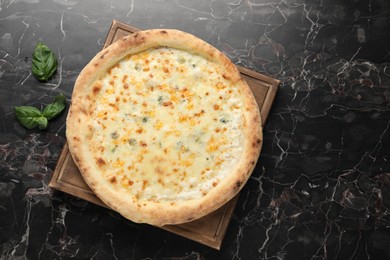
(100, 162)
(114, 106)
(167, 103)
(113, 179)
(144, 183)
(124, 78)
(96, 88)
(158, 170)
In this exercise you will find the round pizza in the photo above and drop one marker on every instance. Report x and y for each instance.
(163, 128)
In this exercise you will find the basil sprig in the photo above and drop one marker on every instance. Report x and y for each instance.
(30, 117)
(44, 62)
(54, 109)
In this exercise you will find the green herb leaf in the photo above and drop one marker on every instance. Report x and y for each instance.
(28, 116)
(54, 109)
(42, 122)
(31, 117)
(44, 62)
(132, 141)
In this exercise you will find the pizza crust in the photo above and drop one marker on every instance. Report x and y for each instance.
(80, 131)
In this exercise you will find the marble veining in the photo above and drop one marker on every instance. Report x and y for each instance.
(321, 188)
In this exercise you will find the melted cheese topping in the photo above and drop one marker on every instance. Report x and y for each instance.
(167, 125)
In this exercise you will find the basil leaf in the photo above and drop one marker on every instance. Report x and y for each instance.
(54, 109)
(31, 117)
(44, 62)
(42, 122)
(28, 116)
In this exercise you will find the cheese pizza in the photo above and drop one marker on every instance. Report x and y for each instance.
(163, 128)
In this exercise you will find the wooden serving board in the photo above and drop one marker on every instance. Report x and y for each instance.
(209, 230)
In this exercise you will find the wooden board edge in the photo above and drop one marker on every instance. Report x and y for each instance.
(211, 241)
(57, 183)
(57, 169)
(115, 26)
(273, 86)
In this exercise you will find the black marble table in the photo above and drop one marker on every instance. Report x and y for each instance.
(321, 189)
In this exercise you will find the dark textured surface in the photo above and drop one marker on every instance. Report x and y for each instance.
(321, 189)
